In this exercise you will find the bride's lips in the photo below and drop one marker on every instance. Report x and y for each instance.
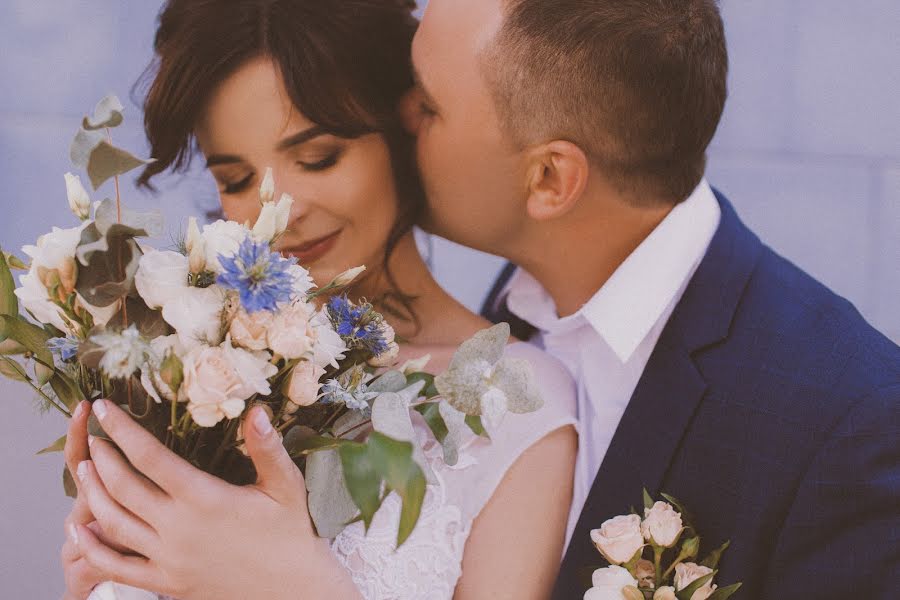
(312, 251)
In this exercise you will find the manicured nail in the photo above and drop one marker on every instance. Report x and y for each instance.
(78, 410)
(90, 441)
(100, 409)
(73, 533)
(261, 423)
(82, 470)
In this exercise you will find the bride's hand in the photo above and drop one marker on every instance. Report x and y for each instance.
(198, 536)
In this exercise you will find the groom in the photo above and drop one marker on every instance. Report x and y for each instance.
(569, 136)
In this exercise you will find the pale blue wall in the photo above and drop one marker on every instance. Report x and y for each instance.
(809, 151)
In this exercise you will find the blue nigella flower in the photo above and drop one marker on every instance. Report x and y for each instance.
(356, 326)
(64, 347)
(262, 277)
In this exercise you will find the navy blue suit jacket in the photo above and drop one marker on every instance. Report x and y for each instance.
(771, 409)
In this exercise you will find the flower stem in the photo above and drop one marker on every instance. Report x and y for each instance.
(657, 563)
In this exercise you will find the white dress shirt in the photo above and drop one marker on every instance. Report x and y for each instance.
(607, 343)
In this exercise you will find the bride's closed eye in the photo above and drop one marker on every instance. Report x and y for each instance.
(236, 187)
(322, 164)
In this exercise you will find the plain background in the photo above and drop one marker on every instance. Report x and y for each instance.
(808, 151)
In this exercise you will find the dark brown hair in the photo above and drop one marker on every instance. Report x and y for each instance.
(346, 66)
(638, 85)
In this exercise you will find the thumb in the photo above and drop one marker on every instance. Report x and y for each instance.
(276, 474)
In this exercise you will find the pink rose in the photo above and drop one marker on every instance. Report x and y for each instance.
(251, 331)
(619, 539)
(687, 573)
(303, 387)
(662, 525)
(290, 334)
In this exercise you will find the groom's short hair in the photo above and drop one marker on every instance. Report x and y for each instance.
(638, 85)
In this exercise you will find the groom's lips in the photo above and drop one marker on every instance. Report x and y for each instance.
(312, 251)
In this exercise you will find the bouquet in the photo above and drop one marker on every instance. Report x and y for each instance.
(189, 339)
(666, 536)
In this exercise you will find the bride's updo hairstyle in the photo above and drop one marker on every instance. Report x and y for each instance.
(346, 66)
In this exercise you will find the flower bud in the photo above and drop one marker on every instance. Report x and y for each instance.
(347, 277)
(79, 201)
(171, 371)
(665, 593)
(267, 187)
(193, 235)
(266, 223)
(283, 213)
(629, 592)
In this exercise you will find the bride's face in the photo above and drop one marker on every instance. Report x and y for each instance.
(345, 201)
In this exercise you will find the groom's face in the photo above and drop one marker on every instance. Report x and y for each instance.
(473, 176)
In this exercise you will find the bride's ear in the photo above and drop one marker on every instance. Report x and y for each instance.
(557, 177)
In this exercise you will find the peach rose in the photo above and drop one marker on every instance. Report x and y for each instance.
(251, 331)
(662, 525)
(687, 573)
(290, 334)
(303, 387)
(619, 538)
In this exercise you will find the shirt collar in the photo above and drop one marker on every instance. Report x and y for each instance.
(638, 294)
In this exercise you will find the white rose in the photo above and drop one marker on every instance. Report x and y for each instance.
(687, 573)
(218, 381)
(619, 538)
(55, 250)
(329, 347)
(303, 389)
(34, 298)
(79, 201)
(291, 335)
(222, 237)
(250, 331)
(162, 277)
(665, 593)
(196, 315)
(608, 584)
(662, 525)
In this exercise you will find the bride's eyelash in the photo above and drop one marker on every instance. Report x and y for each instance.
(426, 109)
(324, 164)
(235, 188)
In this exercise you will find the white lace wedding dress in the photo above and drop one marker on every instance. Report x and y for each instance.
(429, 564)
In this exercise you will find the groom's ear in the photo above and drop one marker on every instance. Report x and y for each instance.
(557, 177)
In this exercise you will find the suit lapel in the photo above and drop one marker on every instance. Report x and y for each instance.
(667, 396)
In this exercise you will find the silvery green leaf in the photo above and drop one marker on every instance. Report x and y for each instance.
(348, 424)
(83, 146)
(412, 392)
(464, 385)
(66, 390)
(107, 113)
(391, 416)
(107, 161)
(107, 215)
(457, 431)
(43, 373)
(487, 346)
(391, 381)
(330, 503)
(12, 370)
(516, 378)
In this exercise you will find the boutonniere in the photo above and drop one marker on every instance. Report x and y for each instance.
(653, 558)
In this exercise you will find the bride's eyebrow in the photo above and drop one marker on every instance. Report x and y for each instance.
(301, 138)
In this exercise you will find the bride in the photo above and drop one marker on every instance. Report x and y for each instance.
(318, 91)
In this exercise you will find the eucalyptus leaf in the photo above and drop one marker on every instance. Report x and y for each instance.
(463, 386)
(56, 446)
(66, 390)
(83, 146)
(107, 215)
(69, 486)
(12, 348)
(330, 503)
(107, 113)
(688, 592)
(107, 161)
(487, 345)
(9, 304)
(391, 417)
(150, 323)
(362, 479)
(95, 429)
(391, 381)
(43, 373)
(12, 370)
(515, 377)
(725, 592)
(477, 427)
(110, 262)
(457, 431)
(430, 391)
(349, 424)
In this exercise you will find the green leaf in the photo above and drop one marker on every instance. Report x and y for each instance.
(95, 429)
(713, 558)
(91, 151)
(69, 484)
(725, 592)
(31, 336)
(303, 441)
(9, 304)
(686, 516)
(362, 479)
(12, 370)
(66, 390)
(688, 592)
(12, 348)
(394, 460)
(14, 262)
(431, 412)
(648, 500)
(477, 427)
(391, 417)
(107, 113)
(109, 263)
(56, 446)
(43, 373)
(330, 503)
(430, 391)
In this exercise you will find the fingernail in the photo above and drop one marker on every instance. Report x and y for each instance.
(100, 409)
(73, 533)
(261, 423)
(90, 441)
(82, 470)
(78, 410)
